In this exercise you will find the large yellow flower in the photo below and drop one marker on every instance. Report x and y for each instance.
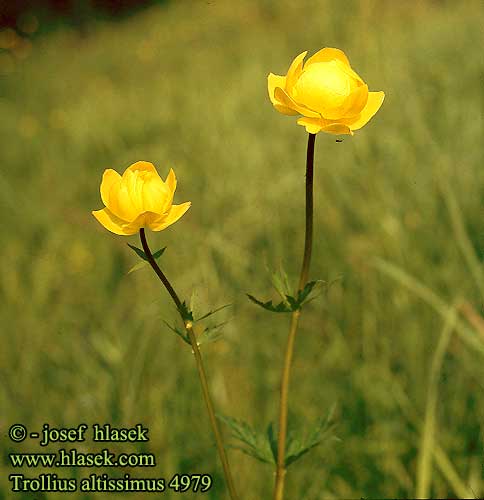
(137, 199)
(328, 94)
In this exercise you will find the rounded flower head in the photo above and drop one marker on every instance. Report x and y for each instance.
(137, 199)
(328, 94)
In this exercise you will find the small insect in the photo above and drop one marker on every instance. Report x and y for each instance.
(339, 140)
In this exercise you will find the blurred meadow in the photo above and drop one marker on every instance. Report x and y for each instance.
(396, 343)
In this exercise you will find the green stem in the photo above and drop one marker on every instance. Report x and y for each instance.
(308, 238)
(200, 367)
(286, 371)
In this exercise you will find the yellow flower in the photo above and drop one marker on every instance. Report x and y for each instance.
(139, 198)
(328, 94)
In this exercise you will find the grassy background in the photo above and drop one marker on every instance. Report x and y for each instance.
(184, 85)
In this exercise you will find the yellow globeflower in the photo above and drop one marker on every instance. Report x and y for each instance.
(137, 199)
(328, 94)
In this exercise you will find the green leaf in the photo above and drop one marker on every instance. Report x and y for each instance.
(272, 437)
(253, 443)
(282, 307)
(138, 252)
(212, 312)
(137, 267)
(251, 452)
(293, 448)
(298, 445)
(290, 303)
(185, 312)
(142, 255)
(159, 253)
(280, 282)
(306, 291)
(211, 334)
(263, 446)
(302, 294)
(178, 332)
(293, 303)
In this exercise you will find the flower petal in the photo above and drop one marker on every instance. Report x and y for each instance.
(313, 125)
(121, 202)
(337, 129)
(274, 81)
(171, 180)
(143, 220)
(352, 74)
(356, 101)
(112, 223)
(352, 105)
(328, 54)
(142, 166)
(282, 96)
(285, 110)
(170, 183)
(294, 71)
(156, 196)
(173, 215)
(375, 100)
(133, 178)
(110, 177)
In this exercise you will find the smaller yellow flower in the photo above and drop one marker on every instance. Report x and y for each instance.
(326, 91)
(137, 199)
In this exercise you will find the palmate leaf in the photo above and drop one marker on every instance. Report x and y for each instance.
(280, 282)
(298, 445)
(303, 296)
(290, 303)
(251, 442)
(185, 312)
(211, 333)
(263, 446)
(282, 307)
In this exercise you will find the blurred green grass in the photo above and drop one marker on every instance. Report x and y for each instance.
(184, 85)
